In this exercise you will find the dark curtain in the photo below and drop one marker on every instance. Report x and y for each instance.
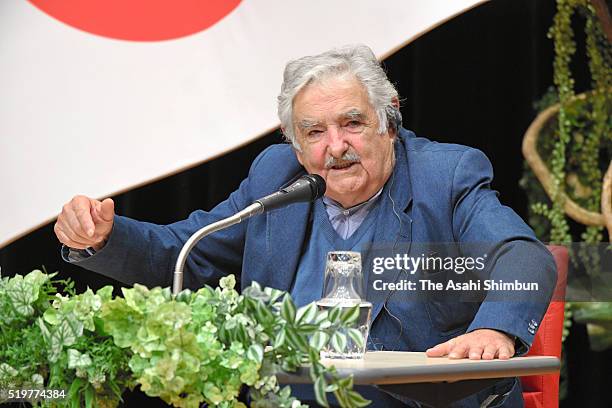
(471, 81)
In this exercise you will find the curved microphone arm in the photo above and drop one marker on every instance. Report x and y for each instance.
(307, 188)
(251, 210)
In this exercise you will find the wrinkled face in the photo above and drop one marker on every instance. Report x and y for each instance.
(337, 130)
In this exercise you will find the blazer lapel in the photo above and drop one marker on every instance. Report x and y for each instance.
(394, 230)
(286, 230)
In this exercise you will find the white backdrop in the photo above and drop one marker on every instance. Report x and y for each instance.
(85, 114)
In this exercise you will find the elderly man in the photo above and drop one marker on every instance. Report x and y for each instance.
(384, 186)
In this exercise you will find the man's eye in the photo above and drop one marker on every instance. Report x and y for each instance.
(314, 133)
(353, 126)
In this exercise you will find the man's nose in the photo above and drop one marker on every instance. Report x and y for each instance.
(338, 144)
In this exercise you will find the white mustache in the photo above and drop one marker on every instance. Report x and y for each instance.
(348, 157)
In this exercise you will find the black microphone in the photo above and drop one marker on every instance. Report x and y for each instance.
(307, 188)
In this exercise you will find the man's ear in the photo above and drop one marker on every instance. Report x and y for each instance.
(395, 102)
(394, 130)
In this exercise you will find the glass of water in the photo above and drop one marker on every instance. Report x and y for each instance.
(344, 288)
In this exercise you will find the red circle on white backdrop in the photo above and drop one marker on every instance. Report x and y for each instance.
(138, 20)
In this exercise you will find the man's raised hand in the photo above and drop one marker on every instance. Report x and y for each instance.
(85, 222)
(483, 344)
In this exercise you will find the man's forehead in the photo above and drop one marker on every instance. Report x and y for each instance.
(351, 113)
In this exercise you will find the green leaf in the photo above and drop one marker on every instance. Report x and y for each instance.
(319, 389)
(280, 338)
(78, 360)
(263, 314)
(121, 321)
(319, 340)
(274, 294)
(346, 382)
(321, 316)
(338, 342)
(334, 314)
(285, 392)
(105, 293)
(349, 314)
(135, 297)
(288, 309)
(89, 397)
(308, 329)
(212, 392)
(64, 334)
(75, 390)
(307, 313)
(316, 368)
(171, 315)
(6, 371)
(228, 282)
(356, 399)
(296, 339)
(356, 336)
(331, 388)
(38, 380)
(342, 397)
(51, 316)
(255, 353)
(184, 296)
(23, 291)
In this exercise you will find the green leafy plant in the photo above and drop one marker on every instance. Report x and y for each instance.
(203, 346)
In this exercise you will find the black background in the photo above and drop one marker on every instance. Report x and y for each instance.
(472, 81)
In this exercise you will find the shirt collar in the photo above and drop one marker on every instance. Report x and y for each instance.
(334, 208)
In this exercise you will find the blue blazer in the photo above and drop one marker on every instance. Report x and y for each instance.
(441, 193)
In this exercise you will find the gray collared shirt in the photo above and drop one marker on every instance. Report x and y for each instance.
(346, 220)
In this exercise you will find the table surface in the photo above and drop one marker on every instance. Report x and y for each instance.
(394, 367)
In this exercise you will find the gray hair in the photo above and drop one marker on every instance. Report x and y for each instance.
(358, 60)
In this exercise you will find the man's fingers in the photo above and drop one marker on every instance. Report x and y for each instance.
(485, 344)
(71, 225)
(107, 210)
(80, 225)
(489, 352)
(84, 218)
(75, 237)
(505, 352)
(76, 214)
(459, 350)
(103, 212)
(439, 350)
(66, 240)
(475, 352)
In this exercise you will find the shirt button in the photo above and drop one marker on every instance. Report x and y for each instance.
(346, 212)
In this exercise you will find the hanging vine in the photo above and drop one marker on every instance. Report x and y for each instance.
(574, 146)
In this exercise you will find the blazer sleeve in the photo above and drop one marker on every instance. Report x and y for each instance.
(482, 225)
(145, 253)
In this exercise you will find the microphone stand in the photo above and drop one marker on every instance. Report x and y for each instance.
(251, 210)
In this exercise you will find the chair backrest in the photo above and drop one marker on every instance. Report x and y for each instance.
(543, 390)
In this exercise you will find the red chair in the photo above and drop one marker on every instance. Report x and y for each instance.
(542, 391)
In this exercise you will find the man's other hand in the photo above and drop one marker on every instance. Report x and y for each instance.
(85, 222)
(483, 344)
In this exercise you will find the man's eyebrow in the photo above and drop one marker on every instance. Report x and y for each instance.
(354, 114)
(307, 123)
